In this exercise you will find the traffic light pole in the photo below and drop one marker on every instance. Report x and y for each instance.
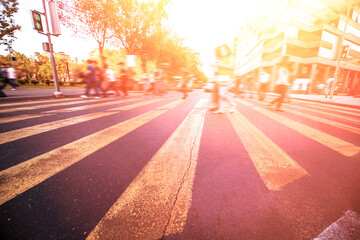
(337, 71)
(57, 93)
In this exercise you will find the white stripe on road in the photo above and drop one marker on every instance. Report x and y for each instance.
(19, 178)
(345, 228)
(275, 167)
(156, 203)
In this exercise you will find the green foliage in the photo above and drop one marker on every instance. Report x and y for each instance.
(72, 83)
(7, 24)
(22, 81)
(34, 81)
(61, 83)
(47, 82)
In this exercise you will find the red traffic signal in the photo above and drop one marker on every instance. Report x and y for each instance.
(344, 51)
(36, 17)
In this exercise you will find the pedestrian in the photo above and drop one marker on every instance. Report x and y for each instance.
(146, 83)
(224, 73)
(109, 81)
(282, 82)
(9, 76)
(152, 83)
(264, 80)
(124, 77)
(184, 84)
(91, 80)
(329, 84)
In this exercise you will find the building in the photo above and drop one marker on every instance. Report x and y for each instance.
(311, 33)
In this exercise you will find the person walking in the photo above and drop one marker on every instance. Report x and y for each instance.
(124, 77)
(264, 80)
(225, 70)
(9, 75)
(282, 82)
(184, 83)
(91, 80)
(110, 80)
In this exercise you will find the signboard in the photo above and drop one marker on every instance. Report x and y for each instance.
(130, 60)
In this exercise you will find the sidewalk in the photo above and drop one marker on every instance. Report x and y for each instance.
(28, 94)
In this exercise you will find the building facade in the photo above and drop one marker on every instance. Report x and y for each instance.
(311, 33)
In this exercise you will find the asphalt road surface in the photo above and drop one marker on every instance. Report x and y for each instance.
(147, 167)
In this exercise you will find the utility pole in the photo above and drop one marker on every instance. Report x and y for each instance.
(341, 39)
(57, 93)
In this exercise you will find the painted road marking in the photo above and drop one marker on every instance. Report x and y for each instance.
(35, 102)
(332, 107)
(21, 117)
(135, 105)
(356, 120)
(41, 106)
(316, 118)
(72, 109)
(275, 167)
(326, 121)
(336, 144)
(45, 127)
(41, 128)
(345, 228)
(19, 178)
(156, 203)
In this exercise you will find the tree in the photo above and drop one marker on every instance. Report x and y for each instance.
(7, 24)
(137, 26)
(88, 18)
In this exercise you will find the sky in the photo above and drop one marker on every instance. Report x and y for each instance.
(204, 24)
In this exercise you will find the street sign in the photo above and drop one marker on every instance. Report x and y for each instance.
(46, 46)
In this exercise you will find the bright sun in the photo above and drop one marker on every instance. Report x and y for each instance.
(205, 24)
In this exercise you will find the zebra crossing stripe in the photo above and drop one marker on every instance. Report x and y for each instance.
(41, 106)
(356, 120)
(41, 128)
(317, 118)
(135, 105)
(275, 167)
(19, 178)
(36, 102)
(156, 203)
(326, 121)
(21, 117)
(72, 109)
(332, 107)
(336, 144)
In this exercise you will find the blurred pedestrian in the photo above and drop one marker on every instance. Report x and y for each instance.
(124, 78)
(146, 83)
(184, 83)
(282, 82)
(225, 71)
(329, 84)
(9, 76)
(152, 87)
(110, 80)
(264, 80)
(91, 80)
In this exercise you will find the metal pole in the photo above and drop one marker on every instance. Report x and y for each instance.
(57, 92)
(337, 71)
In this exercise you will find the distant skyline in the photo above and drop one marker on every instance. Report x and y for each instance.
(204, 24)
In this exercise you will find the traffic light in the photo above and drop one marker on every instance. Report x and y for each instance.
(344, 51)
(36, 16)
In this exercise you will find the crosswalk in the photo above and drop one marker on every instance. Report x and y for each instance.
(157, 201)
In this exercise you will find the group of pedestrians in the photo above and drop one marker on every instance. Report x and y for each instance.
(223, 81)
(154, 83)
(102, 80)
